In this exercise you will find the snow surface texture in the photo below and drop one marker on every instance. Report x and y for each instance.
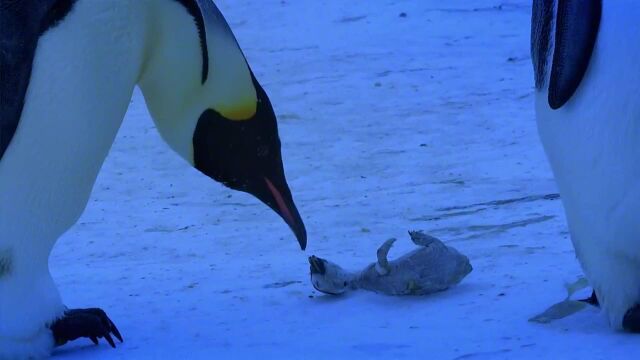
(394, 115)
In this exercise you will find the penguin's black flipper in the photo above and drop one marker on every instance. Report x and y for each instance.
(541, 21)
(89, 323)
(577, 23)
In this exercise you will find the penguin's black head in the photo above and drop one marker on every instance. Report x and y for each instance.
(245, 155)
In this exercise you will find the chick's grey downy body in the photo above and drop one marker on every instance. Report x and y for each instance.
(430, 268)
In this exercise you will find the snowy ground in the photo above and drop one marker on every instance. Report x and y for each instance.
(389, 123)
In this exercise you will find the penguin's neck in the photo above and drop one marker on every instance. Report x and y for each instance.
(192, 65)
(171, 75)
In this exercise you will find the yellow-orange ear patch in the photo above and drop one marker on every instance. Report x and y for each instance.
(238, 112)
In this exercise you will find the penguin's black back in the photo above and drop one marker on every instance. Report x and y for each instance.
(22, 22)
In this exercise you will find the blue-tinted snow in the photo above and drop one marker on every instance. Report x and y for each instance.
(389, 123)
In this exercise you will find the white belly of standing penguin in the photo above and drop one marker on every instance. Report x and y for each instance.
(593, 144)
(77, 97)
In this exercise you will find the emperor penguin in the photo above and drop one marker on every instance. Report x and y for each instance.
(68, 70)
(586, 60)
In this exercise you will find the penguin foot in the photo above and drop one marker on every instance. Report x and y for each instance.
(89, 323)
(631, 320)
(592, 300)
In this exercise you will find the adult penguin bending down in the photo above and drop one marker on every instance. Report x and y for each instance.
(68, 70)
(586, 57)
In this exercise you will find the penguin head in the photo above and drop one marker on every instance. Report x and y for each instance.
(209, 107)
(328, 277)
(245, 155)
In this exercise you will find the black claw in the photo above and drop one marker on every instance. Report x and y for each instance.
(90, 323)
(110, 340)
(107, 323)
(115, 331)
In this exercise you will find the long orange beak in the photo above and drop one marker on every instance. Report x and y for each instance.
(283, 204)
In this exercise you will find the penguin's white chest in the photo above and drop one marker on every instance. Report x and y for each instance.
(77, 97)
(593, 142)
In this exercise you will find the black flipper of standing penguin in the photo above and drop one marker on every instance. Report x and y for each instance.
(576, 30)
